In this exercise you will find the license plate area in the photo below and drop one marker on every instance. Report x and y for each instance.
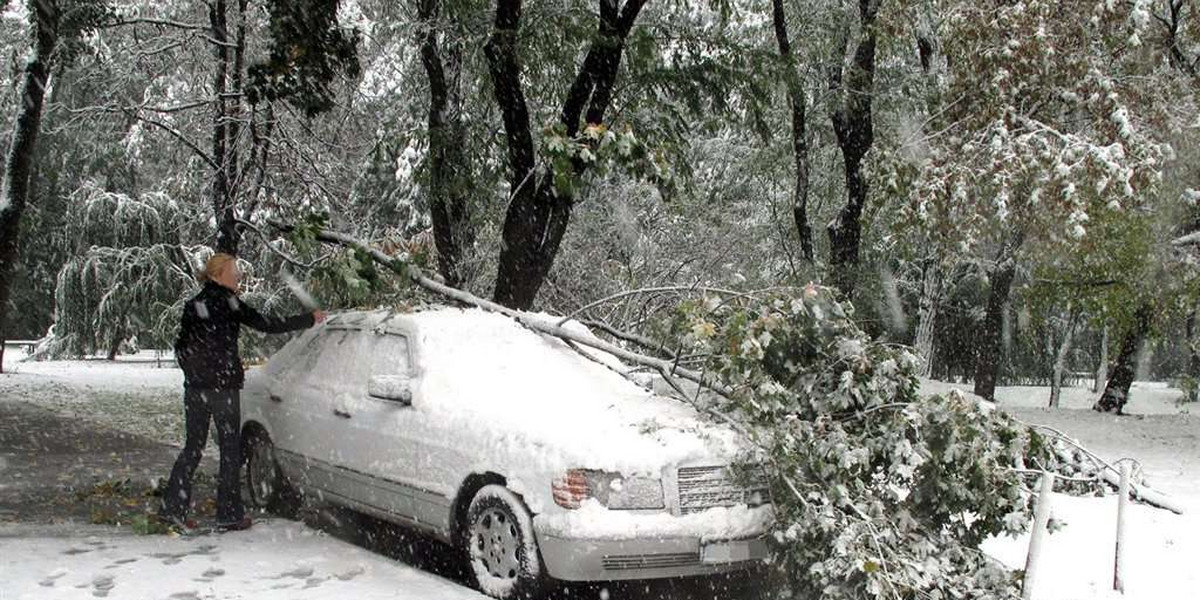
(732, 551)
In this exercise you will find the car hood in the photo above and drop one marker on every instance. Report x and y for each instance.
(509, 391)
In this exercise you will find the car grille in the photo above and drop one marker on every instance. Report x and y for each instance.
(701, 488)
(626, 562)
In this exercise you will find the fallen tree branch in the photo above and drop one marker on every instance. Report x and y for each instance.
(633, 338)
(414, 273)
(295, 262)
(1187, 240)
(1109, 472)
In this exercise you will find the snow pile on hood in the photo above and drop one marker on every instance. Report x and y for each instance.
(515, 390)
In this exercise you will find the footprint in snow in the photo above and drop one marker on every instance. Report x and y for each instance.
(184, 596)
(102, 585)
(351, 574)
(313, 582)
(50, 579)
(74, 551)
(209, 575)
(298, 573)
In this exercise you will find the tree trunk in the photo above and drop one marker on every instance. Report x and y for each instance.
(1060, 359)
(1116, 393)
(14, 191)
(225, 128)
(1193, 346)
(449, 182)
(798, 104)
(853, 122)
(538, 214)
(927, 309)
(114, 347)
(988, 356)
(1102, 368)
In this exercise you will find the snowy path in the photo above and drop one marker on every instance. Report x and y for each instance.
(274, 560)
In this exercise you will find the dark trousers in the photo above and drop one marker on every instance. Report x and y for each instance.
(223, 407)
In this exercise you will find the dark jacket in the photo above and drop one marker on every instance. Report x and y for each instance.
(207, 347)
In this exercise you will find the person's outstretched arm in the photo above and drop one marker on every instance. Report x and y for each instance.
(246, 315)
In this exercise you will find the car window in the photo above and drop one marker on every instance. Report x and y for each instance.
(301, 359)
(389, 355)
(287, 355)
(338, 364)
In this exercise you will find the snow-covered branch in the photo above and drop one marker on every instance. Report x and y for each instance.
(1190, 239)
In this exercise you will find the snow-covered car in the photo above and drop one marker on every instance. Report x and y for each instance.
(537, 460)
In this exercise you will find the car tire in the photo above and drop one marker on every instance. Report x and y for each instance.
(266, 486)
(500, 547)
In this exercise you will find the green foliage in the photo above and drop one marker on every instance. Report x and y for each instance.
(308, 51)
(350, 278)
(879, 492)
(600, 148)
(304, 233)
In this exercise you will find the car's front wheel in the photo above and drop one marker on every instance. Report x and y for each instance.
(500, 545)
(266, 485)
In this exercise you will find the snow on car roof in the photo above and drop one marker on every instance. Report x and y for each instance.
(506, 387)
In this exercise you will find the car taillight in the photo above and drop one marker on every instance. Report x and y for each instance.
(572, 489)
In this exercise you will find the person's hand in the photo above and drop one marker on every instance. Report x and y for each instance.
(318, 316)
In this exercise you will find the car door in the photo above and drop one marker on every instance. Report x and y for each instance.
(394, 445)
(309, 391)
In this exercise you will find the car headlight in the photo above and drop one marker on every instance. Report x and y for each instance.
(612, 490)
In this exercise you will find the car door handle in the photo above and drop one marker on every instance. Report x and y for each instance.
(275, 398)
(341, 413)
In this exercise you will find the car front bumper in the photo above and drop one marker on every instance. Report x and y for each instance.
(609, 560)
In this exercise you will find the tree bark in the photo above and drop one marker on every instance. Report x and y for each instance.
(989, 354)
(1193, 346)
(927, 310)
(851, 113)
(1102, 368)
(15, 188)
(538, 213)
(449, 183)
(798, 105)
(1060, 359)
(224, 133)
(1116, 393)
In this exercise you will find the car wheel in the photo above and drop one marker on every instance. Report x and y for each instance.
(501, 550)
(266, 486)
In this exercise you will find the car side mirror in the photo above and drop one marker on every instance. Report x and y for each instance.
(397, 388)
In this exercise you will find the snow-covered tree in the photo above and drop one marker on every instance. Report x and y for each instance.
(1045, 129)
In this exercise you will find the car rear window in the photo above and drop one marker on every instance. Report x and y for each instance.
(389, 355)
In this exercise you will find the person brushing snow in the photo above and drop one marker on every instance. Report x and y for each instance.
(207, 351)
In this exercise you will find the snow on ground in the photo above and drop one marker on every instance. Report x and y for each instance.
(1077, 560)
(274, 560)
(1162, 436)
(140, 394)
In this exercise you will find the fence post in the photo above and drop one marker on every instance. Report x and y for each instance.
(1041, 515)
(1119, 555)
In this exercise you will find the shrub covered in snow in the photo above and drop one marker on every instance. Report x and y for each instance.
(879, 492)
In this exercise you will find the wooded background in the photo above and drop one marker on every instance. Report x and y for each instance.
(1010, 187)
